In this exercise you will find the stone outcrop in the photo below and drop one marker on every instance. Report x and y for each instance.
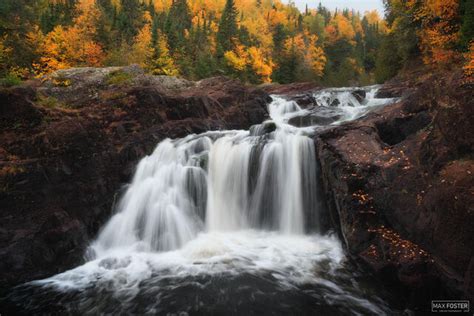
(69, 142)
(399, 186)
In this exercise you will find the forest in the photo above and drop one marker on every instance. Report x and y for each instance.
(256, 41)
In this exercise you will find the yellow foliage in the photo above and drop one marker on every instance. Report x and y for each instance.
(295, 43)
(252, 59)
(315, 57)
(340, 28)
(237, 59)
(261, 65)
(162, 63)
(142, 50)
(373, 17)
(5, 51)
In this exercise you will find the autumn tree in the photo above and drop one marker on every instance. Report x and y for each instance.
(66, 47)
(439, 32)
(142, 49)
(255, 41)
(162, 63)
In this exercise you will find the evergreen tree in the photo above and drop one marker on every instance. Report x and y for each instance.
(228, 30)
(106, 33)
(130, 19)
(387, 62)
(17, 18)
(178, 22)
(467, 23)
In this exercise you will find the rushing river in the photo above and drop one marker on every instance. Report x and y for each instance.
(225, 223)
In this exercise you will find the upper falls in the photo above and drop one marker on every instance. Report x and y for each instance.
(264, 178)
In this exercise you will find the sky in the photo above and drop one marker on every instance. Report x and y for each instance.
(358, 5)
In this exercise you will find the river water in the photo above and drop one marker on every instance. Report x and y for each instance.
(223, 223)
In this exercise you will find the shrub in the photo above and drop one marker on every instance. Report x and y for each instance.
(118, 77)
(10, 80)
(49, 102)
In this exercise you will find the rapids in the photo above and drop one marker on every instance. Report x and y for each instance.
(225, 222)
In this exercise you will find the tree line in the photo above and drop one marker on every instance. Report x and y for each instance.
(253, 40)
(437, 33)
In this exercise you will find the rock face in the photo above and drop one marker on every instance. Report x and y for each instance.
(69, 144)
(300, 92)
(399, 184)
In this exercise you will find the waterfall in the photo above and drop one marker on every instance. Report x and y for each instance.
(217, 181)
(228, 214)
(264, 178)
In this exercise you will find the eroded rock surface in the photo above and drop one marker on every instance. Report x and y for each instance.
(399, 183)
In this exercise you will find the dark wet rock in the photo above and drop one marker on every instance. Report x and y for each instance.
(62, 166)
(300, 92)
(398, 183)
(291, 89)
(335, 103)
(262, 129)
(17, 108)
(359, 95)
(319, 116)
(304, 100)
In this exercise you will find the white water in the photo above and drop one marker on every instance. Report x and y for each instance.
(225, 202)
(349, 107)
(163, 207)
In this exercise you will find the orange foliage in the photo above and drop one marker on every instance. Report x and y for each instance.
(73, 46)
(469, 66)
(440, 32)
(340, 28)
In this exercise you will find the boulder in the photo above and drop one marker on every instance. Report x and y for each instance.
(359, 95)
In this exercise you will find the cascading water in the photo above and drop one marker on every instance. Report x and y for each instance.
(222, 223)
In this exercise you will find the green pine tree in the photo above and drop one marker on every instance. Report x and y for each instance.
(467, 20)
(130, 19)
(228, 30)
(177, 22)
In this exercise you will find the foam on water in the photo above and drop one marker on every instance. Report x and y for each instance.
(291, 259)
(351, 108)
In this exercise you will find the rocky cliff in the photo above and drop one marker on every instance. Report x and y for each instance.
(399, 184)
(70, 141)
